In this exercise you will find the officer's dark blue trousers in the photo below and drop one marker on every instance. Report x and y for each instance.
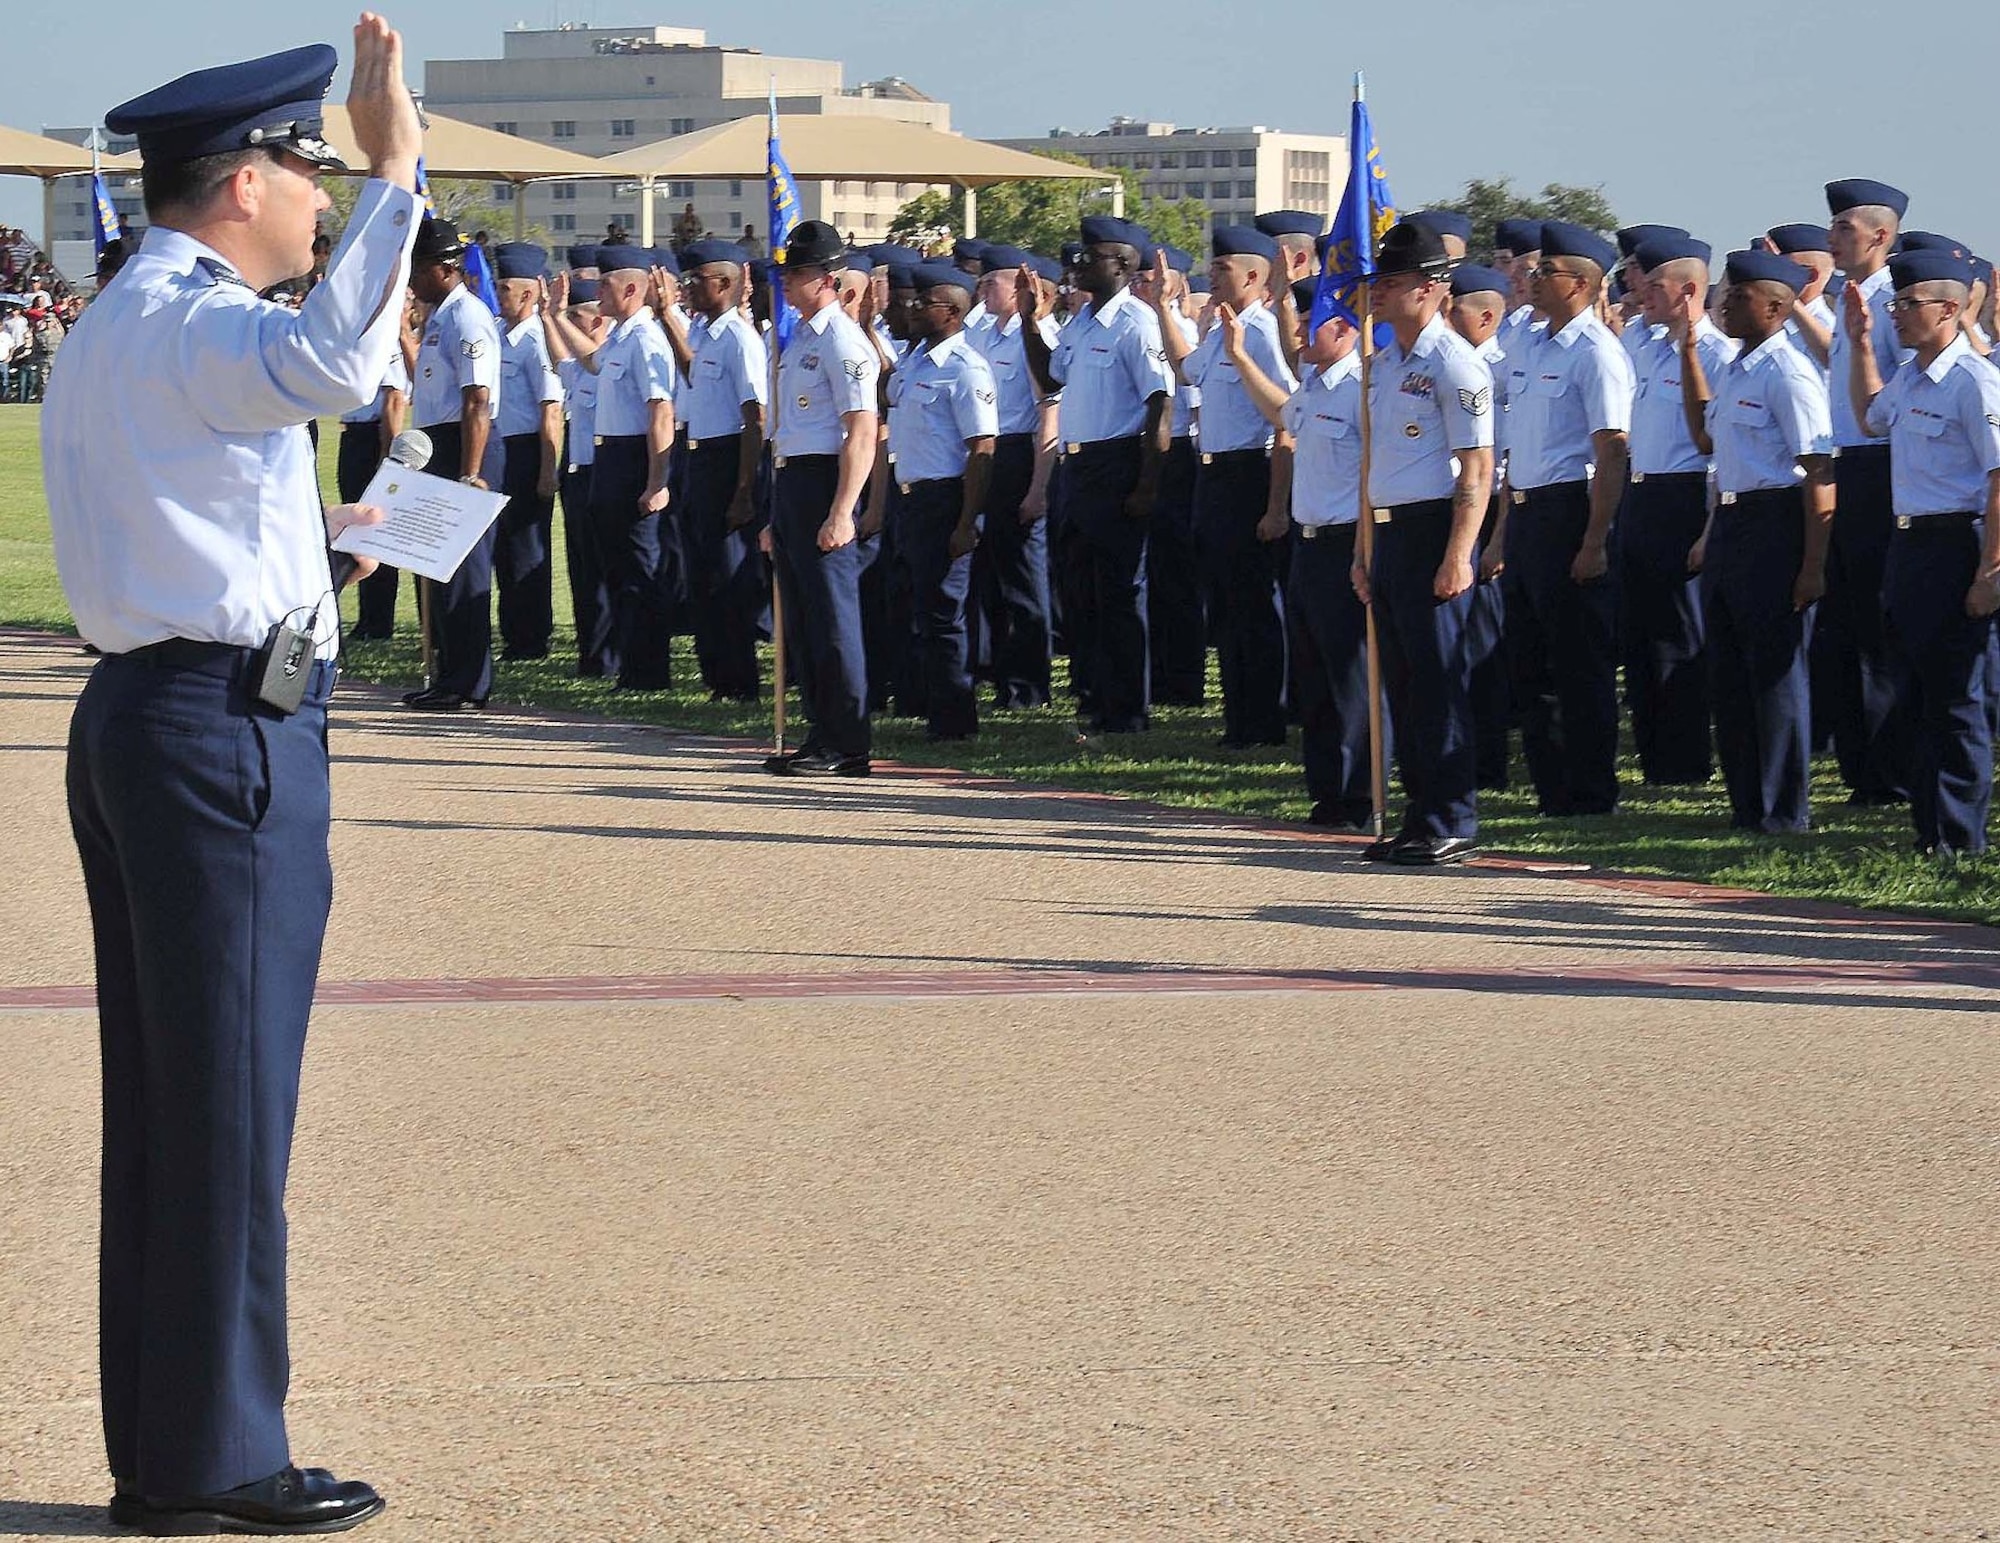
(523, 557)
(201, 820)
(1865, 686)
(1176, 609)
(1492, 689)
(1426, 671)
(590, 602)
(1016, 557)
(937, 584)
(1240, 576)
(725, 579)
(1757, 647)
(1941, 653)
(822, 597)
(1329, 634)
(1107, 556)
(1562, 644)
(462, 607)
(640, 650)
(360, 456)
(1666, 677)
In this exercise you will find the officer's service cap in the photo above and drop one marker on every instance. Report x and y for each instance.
(623, 259)
(698, 254)
(1304, 292)
(939, 274)
(1861, 192)
(519, 260)
(1002, 259)
(1632, 237)
(1561, 238)
(1290, 222)
(438, 241)
(583, 291)
(1478, 279)
(886, 254)
(581, 257)
(276, 101)
(1799, 238)
(815, 244)
(1244, 241)
(1651, 254)
(1104, 230)
(1411, 246)
(1931, 241)
(1928, 267)
(1519, 237)
(1446, 222)
(1765, 268)
(968, 249)
(1046, 268)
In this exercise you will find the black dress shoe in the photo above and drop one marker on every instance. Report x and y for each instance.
(437, 701)
(291, 1502)
(1334, 817)
(1420, 853)
(822, 763)
(1382, 849)
(776, 764)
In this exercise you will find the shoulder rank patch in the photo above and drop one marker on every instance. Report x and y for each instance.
(1994, 419)
(1476, 402)
(473, 348)
(984, 396)
(855, 368)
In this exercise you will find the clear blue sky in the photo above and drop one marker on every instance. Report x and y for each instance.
(1724, 125)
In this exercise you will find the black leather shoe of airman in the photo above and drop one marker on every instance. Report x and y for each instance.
(290, 1503)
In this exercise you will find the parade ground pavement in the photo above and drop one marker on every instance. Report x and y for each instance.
(689, 1154)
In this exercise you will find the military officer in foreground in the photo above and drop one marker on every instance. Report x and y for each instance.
(188, 533)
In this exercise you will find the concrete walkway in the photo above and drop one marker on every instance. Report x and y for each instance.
(688, 1155)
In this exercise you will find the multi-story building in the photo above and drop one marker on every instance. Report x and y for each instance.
(74, 218)
(599, 90)
(1235, 172)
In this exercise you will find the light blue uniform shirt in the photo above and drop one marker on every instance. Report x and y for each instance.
(1229, 419)
(635, 368)
(827, 370)
(1769, 408)
(1889, 357)
(1495, 358)
(1638, 336)
(1007, 356)
(461, 349)
(1110, 363)
(527, 380)
(1423, 405)
(1943, 425)
(729, 368)
(580, 403)
(1823, 314)
(1324, 419)
(1563, 387)
(939, 397)
(182, 491)
(398, 379)
(1515, 325)
(1183, 420)
(1661, 442)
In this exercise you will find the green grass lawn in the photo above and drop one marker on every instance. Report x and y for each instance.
(1858, 856)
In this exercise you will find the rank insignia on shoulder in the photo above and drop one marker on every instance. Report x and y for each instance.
(1994, 419)
(1476, 402)
(855, 368)
(984, 396)
(472, 348)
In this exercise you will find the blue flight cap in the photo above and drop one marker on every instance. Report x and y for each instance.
(1519, 237)
(277, 101)
(1982, 271)
(860, 259)
(815, 244)
(1304, 292)
(663, 257)
(1651, 254)
(1478, 279)
(1632, 237)
(583, 291)
(581, 257)
(886, 254)
(617, 259)
(1180, 259)
(1103, 229)
(1002, 259)
(1560, 238)
(1046, 268)
(1243, 241)
(1446, 222)
(763, 270)
(1799, 238)
(1857, 192)
(1765, 268)
(968, 249)
(1931, 241)
(1929, 266)
(903, 275)
(698, 253)
(519, 260)
(1290, 222)
(939, 274)
(1072, 253)
(1198, 284)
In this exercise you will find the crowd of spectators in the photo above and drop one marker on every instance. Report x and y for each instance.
(37, 308)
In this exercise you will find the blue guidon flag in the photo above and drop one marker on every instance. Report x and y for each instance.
(104, 226)
(784, 204)
(1367, 210)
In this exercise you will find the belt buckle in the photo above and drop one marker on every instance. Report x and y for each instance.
(777, 460)
(1383, 516)
(1726, 499)
(1308, 533)
(1517, 497)
(903, 488)
(694, 444)
(1902, 522)
(1638, 476)
(1207, 459)
(1072, 448)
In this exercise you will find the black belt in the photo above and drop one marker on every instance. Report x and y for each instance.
(1757, 498)
(1669, 478)
(1548, 492)
(363, 423)
(1210, 457)
(730, 441)
(1877, 447)
(620, 439)
(1314, 532)
(1424, 508)
(1934, 524)
(222, 660)
(1089, 447)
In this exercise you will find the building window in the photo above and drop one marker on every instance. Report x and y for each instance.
(503, 192)
(677, 126)
(680, 190)
(562, 222)
(1197, 189)
(1246, 190)
(903, 191)
(649, 80)
(1142, 163)
(504, 128)
(869, 222)
(563, 192)
(735, 219)
(563, 128)
(1169, 190)
(736, 187)
(1170, 162)
(621, 128)
(1197, 157)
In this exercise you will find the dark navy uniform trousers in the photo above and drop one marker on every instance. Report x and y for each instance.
(462, 608)
(590, 601)
(359, 457)
(1492, 690)
(1175, 607)
(1865, 687)
(1757, 651)
(1329, 634)
(1666, 677)
(822, 597)
(1106, 559)
(725, 578)
(1941, 652)
(1562, 644)
(1426, 671)
(1240, 578)
(1015, 557)
(201, 818)
(640, 649)
(937, 584)
(523, 559)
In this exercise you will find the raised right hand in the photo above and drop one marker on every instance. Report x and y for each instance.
(387, 130)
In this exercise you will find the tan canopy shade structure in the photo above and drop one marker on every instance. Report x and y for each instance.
(36, 155)
(825, 148)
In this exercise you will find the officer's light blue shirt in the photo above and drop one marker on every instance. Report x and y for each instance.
(1229, 419)
(729, 368)
(827, 370)
(580, 404)
(1878, 290)
(1110, 363)
(1007, 356)
(1943, 425)
(1661, 442)
(1769, 408)
(635, 368)
(1183, 419)
(527, 380)
(398, 379)
(1563, 386)
(940, 397)
(1423, 406)
(460, 350)
(182, 492)
(1324, 419)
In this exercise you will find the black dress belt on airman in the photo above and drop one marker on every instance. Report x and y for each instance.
(1761, 500)
(1424, 509)
(1935, 524)
(1671, 478)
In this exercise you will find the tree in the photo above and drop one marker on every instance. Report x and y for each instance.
(468, 205)
(1487, 203)
(1041, 215)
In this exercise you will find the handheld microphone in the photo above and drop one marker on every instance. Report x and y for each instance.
(411, 448)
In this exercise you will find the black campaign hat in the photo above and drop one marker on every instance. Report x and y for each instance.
(437, 241)
(815, 244)
(1412, 246)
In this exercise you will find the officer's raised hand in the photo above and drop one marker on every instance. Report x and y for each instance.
(379, 106)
